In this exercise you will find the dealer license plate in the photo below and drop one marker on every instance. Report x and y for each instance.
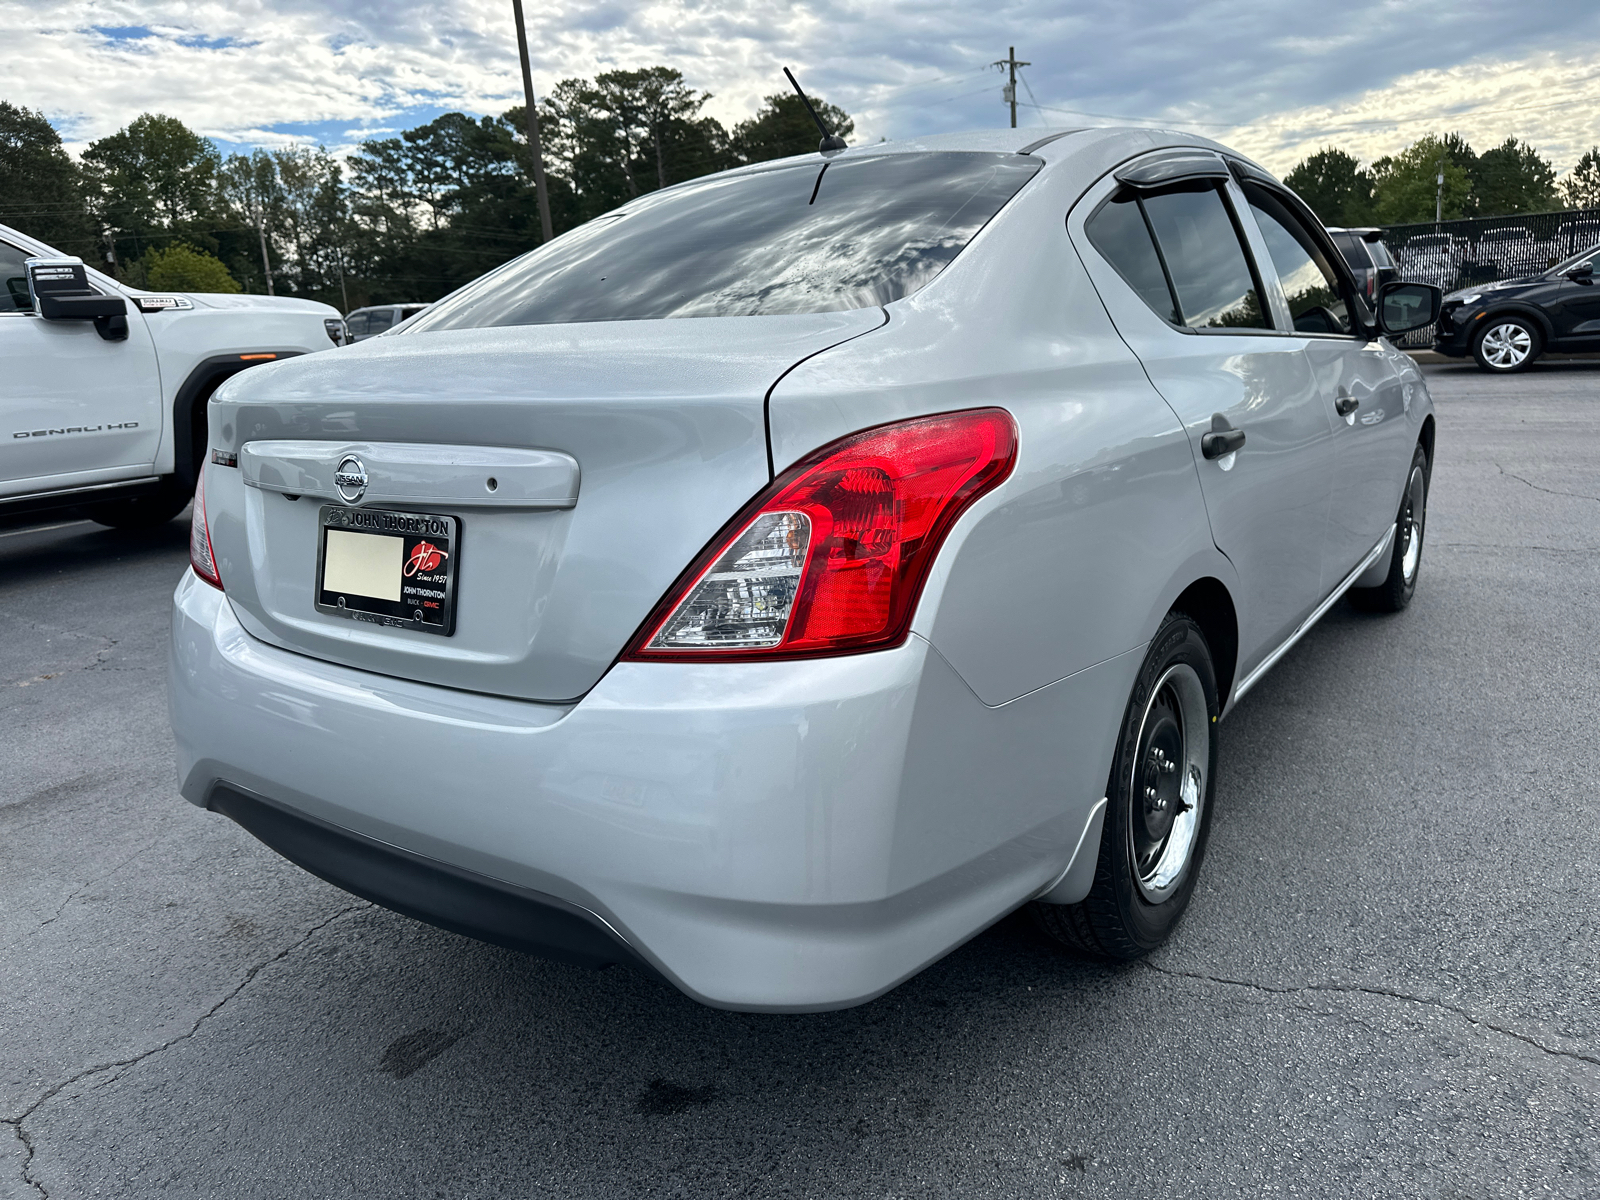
(391, 568)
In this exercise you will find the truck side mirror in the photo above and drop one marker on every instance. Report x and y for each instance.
(61, 292)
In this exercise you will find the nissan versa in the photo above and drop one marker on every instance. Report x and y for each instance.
(773, 583)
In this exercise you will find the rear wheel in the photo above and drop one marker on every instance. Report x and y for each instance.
(1507, 344)
(1405, 558)
(139, 512)
(1158, 804)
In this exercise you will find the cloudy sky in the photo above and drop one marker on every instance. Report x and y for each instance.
(1276, 80)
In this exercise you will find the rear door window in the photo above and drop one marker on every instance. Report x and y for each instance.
(1310, 284)
(379, 319)
(1205, 258)
(1118, 231)
(802, 237)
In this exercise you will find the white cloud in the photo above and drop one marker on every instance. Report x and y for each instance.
(288, 71)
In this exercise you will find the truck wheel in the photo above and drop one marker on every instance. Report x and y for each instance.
(140, 512)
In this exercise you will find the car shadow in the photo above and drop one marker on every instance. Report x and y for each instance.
(71, 545)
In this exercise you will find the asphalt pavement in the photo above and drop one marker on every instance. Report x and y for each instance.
(1388, 983)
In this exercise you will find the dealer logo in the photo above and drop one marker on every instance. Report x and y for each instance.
(350, 479)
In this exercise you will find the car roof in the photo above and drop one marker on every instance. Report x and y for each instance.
(1086, 151)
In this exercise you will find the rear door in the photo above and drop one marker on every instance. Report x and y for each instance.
(1171, 266)
(1360, 390)
(75, 409)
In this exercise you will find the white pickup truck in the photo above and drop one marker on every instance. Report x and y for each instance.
(103, 387)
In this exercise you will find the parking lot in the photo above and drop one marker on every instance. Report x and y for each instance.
(1386, 985)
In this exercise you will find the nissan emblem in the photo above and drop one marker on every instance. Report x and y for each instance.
(350, 479)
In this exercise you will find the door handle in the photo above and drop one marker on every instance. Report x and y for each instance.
(1346, 404)
(1220, 442)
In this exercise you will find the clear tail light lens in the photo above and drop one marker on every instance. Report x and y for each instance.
(200, 556)
(832, 557)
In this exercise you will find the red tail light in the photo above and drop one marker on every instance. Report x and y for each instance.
(831, 558)
(200, 557)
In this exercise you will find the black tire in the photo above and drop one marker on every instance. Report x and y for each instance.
(1405, 557)
(1134, 904)
(139, 512)
(1512, 344)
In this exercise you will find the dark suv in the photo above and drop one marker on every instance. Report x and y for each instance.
(1507, 324)
(1369, 259)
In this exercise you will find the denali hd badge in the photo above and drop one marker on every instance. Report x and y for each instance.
(350, 478)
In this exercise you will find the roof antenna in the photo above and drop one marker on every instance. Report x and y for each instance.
(832, 143)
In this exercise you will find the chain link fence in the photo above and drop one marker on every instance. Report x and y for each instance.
(1458, 254)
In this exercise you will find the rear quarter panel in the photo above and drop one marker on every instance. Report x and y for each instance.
(1074, 559)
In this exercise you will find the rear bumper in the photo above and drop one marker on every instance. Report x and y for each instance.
(780, 836)
(442, 895)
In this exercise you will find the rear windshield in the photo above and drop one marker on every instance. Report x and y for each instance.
(804, 237)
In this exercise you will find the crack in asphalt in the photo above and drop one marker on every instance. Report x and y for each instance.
(76, 892)
(1548, 491)
(100, 655)
(1493, 546)
(1386, 993)
(17, 1123)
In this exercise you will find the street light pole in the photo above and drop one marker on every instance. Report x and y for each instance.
(533, 125)
(1438, 199)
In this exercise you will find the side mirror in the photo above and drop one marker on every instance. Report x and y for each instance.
(1403, 307)
(61, 292)
(1582, 273)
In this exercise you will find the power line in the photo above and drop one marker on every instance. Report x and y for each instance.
(1034, 99)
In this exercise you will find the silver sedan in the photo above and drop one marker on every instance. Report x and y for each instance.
(775, 582)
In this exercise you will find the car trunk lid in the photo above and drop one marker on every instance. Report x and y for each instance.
(583, 466)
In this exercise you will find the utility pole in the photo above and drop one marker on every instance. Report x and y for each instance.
(266, 267)
(533, 125)
(1009, 92)
(1438, 199)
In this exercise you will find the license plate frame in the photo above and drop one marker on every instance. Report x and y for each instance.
(419, 591)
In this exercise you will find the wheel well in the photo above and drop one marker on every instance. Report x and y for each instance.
(1208, 604)
(189, 434)
(1534, 316)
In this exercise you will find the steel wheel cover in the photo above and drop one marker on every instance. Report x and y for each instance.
(1167, 785)
(1411, 523)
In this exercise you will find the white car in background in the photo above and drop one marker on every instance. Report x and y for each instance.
(1429, 258)
(104, 400)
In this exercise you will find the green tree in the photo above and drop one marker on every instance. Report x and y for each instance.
(181, 268)
(1512, 178)
(154, 180)
(625, 133)
(782, 127)
(1581, 187)
(1336, 187)
(1405, 183)
(41, 189)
